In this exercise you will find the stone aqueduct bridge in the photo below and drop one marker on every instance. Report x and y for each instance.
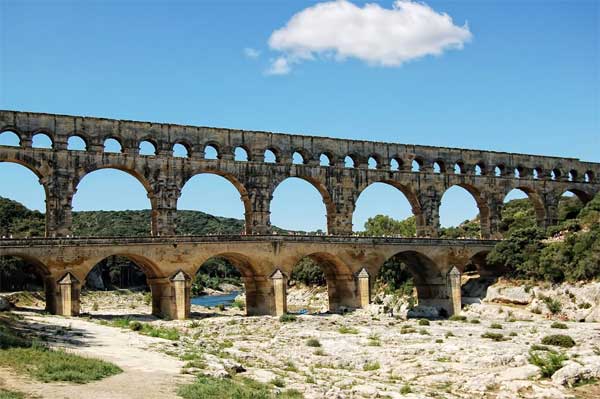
(264, 259)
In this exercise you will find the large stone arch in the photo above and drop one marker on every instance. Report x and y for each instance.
(236, 182)
(42, 270)
(536, 198)
(482, 205)
(321, 187)
(409, 193)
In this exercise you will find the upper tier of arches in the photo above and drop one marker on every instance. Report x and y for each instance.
(165, 140)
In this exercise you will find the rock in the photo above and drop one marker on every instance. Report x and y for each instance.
(366, 391)
(425, 312)
(4, 304)
(519, 373)
(573, 372)
(518, 295)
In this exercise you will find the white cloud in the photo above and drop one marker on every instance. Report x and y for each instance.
(251, 52)
(375, 35)
(279, 66)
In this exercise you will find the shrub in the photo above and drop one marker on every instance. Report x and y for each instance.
(439, 341)
(423, 331)
(313, 342)
(457, 317)
(548, 363)
(287, 318)
(423, 322)
(494, 336)
(584, 305)
(554, 306)
(405, 390)
(95, 307)
(371, 366)
(278, 382)
(135, 325)
(475, 321)
(221, 307)
(347, 330)
(564, 341)
(449, 334)
(238, 304)
(559, 325)
(406, 329)
(496, 326)
(513, 334)
(240, 388)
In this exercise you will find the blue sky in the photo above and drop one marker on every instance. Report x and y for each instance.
(525, 80)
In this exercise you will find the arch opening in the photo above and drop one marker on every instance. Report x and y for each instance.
(373, 163)
(76, 143)
(211, 152)
(310, 201)
(417, 164)
(438, 167)
(212, 203)
(521, 208)
(415, 278)
(476, 276)
(384, 209)
(41, 140)
(298, 158)
(480, 169)
(181, 150)
(147, 148)
(270, 156)
(588, 177)
(26, 277)
(463, 213)
(230, 277)
(22, 202)
(240, 154)
(349, 162)
(10, 139)
(325, 160)
(99, 212)
(395, 164)
(118, 274)
(113, 145)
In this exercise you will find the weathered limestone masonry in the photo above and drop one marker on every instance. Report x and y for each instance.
(265, 261)
(544, 179)
(423, 174)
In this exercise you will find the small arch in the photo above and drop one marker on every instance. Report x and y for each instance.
(10, 139)
(326, 159)
(211, 151)
(537, 173)
(395, 164)
(181, 150)
(499, 170)
(480, 169)
(373, 163)
(555, 174)
(573, 175)
(113, 145)
(459, 168)
(147, 148)
(518, 172)
(439, 167)
(417, 164)
(240, 154)
(76, 143)
(349, 162)
(298, 158)
(41, 140)
(270, 156)
(463, 212)
(588, 177)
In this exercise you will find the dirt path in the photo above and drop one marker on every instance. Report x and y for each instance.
(146, 374)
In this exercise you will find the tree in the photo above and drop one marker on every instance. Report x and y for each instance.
(381, 225)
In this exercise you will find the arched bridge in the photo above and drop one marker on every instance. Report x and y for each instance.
(339, 169)
(265, 262)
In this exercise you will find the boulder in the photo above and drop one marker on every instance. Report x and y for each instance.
(573, 372)
(518, 295)
(4, 304)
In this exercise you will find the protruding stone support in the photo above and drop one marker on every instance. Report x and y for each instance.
(454, 295)
(490, 228)
(181, 286)
(428, 217)
(279, 292)
(364, 288)
(68, 296)
(258, 216)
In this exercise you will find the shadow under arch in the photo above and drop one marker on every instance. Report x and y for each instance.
(479, 275)
(409, 194)
(39, 269)
(248, 275)
(241, 189)
(325, 196)
(426, 275)
(482, 206)
(338, 277)
(583, 196)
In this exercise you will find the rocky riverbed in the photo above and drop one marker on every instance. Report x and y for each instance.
(486, 353)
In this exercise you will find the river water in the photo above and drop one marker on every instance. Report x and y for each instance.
(215, 300)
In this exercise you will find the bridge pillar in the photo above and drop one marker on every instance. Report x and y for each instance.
(68, 296)
(343, 295)
(59, 193)
(364, 288)
(454, 294)
(171, 297)
(258, 217)
(490, 228)
(550, 210)
(164, 208)
(279, 292)
(428, 220)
